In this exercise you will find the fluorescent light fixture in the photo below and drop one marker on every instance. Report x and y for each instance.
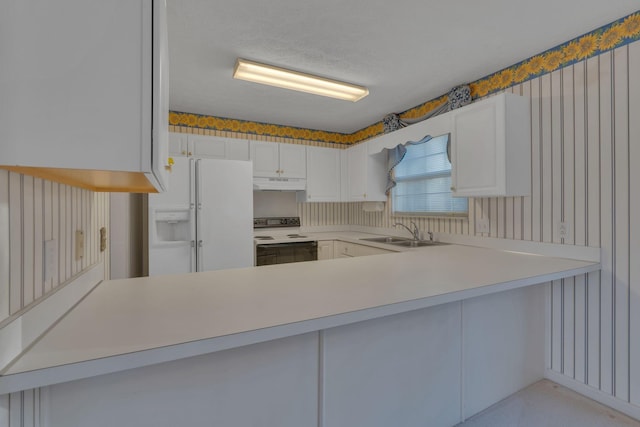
(294, 80)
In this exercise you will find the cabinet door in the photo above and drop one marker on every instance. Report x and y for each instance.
(325, 249)
(237, 149)
(266, 159)
(323, 174)
(207, 147)
(357, 169)
(215, 147)
(178, 144)
(97, 99)
(478, 150)
(293, 161)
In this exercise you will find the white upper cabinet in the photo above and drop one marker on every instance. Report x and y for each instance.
(84, 92)
(323, 175)
(275, 160)
(490, 151)
(366, 174)
(208, 147)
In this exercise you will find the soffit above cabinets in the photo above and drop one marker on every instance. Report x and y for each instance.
(405, 52)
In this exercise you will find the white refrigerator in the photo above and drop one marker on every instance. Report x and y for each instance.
(204, 221)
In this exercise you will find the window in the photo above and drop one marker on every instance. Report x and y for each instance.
(424, 181)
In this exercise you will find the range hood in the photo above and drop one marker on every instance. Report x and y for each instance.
(279, 184)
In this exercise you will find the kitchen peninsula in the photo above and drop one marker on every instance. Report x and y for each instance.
(330, 343)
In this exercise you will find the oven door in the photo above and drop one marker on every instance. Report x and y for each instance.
(282, 253)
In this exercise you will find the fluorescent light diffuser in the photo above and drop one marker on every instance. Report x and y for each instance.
(287, 79)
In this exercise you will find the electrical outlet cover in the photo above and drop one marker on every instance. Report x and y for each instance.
(482, 225)
(563, 230)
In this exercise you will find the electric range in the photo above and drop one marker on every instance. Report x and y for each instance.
(279, 241)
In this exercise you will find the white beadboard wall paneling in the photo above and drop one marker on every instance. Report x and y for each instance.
(566, 208)
(592, 193)
(536, 161)
(634, 213)
(578, 222)
(15, 242)
(28, 247)
(606, 235)
(546, 159)
(32, 211)
(21, 409)
(4, 410)
(620, 222)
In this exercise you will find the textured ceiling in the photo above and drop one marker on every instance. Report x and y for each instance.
(406, 51)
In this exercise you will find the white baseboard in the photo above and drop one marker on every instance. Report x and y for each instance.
(23, 330)
(606, 399)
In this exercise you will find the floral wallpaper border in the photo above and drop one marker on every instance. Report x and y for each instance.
(618, 33)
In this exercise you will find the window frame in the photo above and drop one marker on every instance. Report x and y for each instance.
(424, 176)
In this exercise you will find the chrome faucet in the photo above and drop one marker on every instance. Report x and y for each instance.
(415, 232)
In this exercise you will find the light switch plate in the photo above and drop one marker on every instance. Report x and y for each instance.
(482, 225)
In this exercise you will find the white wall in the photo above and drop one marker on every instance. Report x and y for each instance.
(126, 235)
(274, 203)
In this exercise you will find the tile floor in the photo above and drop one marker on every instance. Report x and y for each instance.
(547, 404)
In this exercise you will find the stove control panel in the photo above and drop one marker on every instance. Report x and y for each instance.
(273, 222)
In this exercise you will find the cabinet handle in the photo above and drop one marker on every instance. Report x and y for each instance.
(281, 171)
(190, 153)
(452, 188)
(184, 152)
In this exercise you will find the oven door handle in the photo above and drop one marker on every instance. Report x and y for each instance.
(287, 245)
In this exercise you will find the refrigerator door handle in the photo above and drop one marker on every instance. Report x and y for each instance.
(198, 196)
(192, 257)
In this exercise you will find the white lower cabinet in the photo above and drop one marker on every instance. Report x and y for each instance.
(348, 250)
(325, 249)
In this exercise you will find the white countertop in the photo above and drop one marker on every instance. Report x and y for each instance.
(136, 322)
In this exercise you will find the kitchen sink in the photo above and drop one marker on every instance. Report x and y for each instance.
(387, 239)
(417, 243)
